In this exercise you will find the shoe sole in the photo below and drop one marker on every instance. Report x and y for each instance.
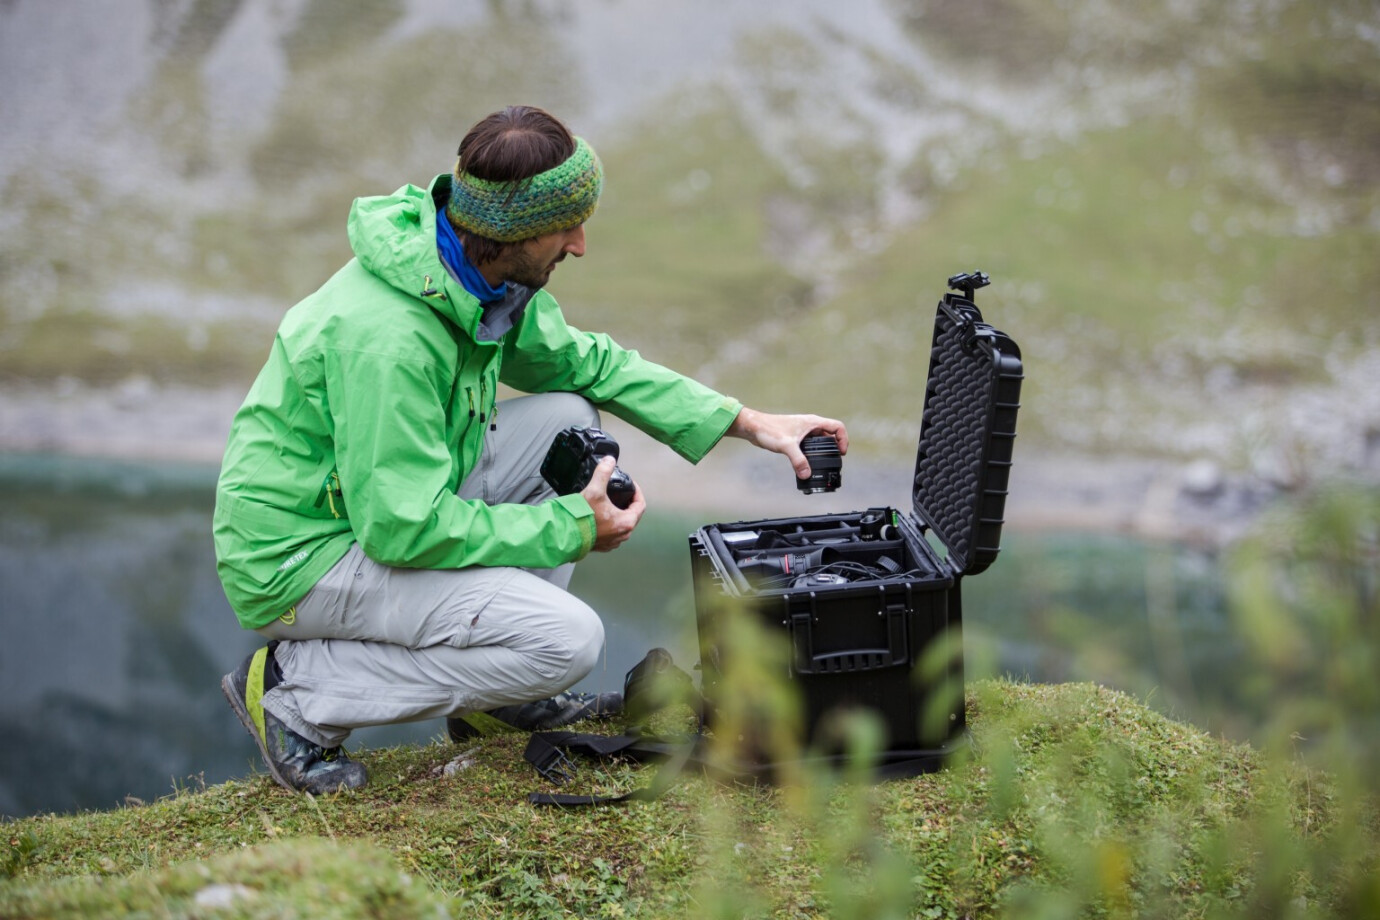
(227, 686)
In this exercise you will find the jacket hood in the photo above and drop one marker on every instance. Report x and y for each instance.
(394, 238)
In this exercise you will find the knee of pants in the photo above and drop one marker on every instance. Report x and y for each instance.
(575, 409)
(582, 651)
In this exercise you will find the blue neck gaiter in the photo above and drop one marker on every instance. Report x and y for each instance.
(453, 254)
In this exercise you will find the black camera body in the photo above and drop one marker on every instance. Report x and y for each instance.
(570, 463)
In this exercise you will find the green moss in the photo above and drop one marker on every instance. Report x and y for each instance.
(1069, 791)
(304, 878)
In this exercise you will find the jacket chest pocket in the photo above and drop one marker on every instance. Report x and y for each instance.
(331, 495)
(473, 410)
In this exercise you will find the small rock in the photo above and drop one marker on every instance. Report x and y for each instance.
(218, 896)
(134, 392)
(1203, 479)
(456, 765)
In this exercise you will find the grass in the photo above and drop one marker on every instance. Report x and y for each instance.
(1072, 792)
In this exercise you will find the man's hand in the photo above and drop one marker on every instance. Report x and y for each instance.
(783, 434)
(613, 525)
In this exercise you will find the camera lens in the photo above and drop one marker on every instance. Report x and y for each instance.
(871, 523)
(826, 465)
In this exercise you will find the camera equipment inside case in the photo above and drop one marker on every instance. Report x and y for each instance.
(870, 601)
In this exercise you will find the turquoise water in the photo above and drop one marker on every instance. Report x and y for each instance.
(116, 632)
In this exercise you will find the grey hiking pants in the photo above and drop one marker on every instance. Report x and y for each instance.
(375, 645)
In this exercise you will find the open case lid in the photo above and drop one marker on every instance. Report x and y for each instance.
(963, 463)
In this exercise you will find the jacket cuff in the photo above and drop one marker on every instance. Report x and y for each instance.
(583, 515)
(698, 441)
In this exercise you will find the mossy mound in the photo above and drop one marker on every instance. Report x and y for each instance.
(1072, 800)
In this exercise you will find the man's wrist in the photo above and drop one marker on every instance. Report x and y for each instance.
(745, 424)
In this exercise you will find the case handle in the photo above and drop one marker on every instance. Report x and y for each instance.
(897, 651)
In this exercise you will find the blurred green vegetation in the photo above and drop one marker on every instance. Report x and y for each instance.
(1306, 594)
(1077, 802)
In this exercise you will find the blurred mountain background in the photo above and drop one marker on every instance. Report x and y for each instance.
(1178, 202)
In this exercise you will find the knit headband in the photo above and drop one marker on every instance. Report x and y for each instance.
(562, 197)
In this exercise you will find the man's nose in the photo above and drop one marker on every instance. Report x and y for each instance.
(575, 241)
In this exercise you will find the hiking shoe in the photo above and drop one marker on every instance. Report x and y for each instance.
(542, 715)
(293, 761)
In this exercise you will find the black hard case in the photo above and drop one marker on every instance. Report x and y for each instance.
(859, 644)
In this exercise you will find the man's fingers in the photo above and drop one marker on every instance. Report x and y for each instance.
(798, 460)
(614, 525)
(603, 471)
(837, 430)
(826, 427)
(598, 485)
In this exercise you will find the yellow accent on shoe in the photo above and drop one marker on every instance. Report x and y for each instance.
(290, 617)
(486, 724)
(254, 691)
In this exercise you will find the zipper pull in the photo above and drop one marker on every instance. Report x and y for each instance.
(493, 419)
(429, 290)
(332, 488)
(469, 394)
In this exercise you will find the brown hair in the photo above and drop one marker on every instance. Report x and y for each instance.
(509, 146)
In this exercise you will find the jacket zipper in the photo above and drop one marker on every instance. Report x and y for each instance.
(330, 490)
(493, 409)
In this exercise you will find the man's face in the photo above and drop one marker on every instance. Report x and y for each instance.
(531, 263)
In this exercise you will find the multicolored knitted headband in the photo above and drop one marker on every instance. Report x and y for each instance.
(562, 197)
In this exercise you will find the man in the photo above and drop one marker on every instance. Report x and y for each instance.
(381, 518)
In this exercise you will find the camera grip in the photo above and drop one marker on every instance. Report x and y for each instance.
(621, 489)
(570, 463)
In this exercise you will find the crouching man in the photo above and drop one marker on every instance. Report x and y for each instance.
(380, 516)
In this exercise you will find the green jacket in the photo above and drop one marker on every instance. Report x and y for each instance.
(372, 407)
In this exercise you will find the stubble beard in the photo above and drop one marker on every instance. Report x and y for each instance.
(530, 272)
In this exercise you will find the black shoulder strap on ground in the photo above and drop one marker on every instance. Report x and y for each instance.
(547, 752)
(653, 685)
